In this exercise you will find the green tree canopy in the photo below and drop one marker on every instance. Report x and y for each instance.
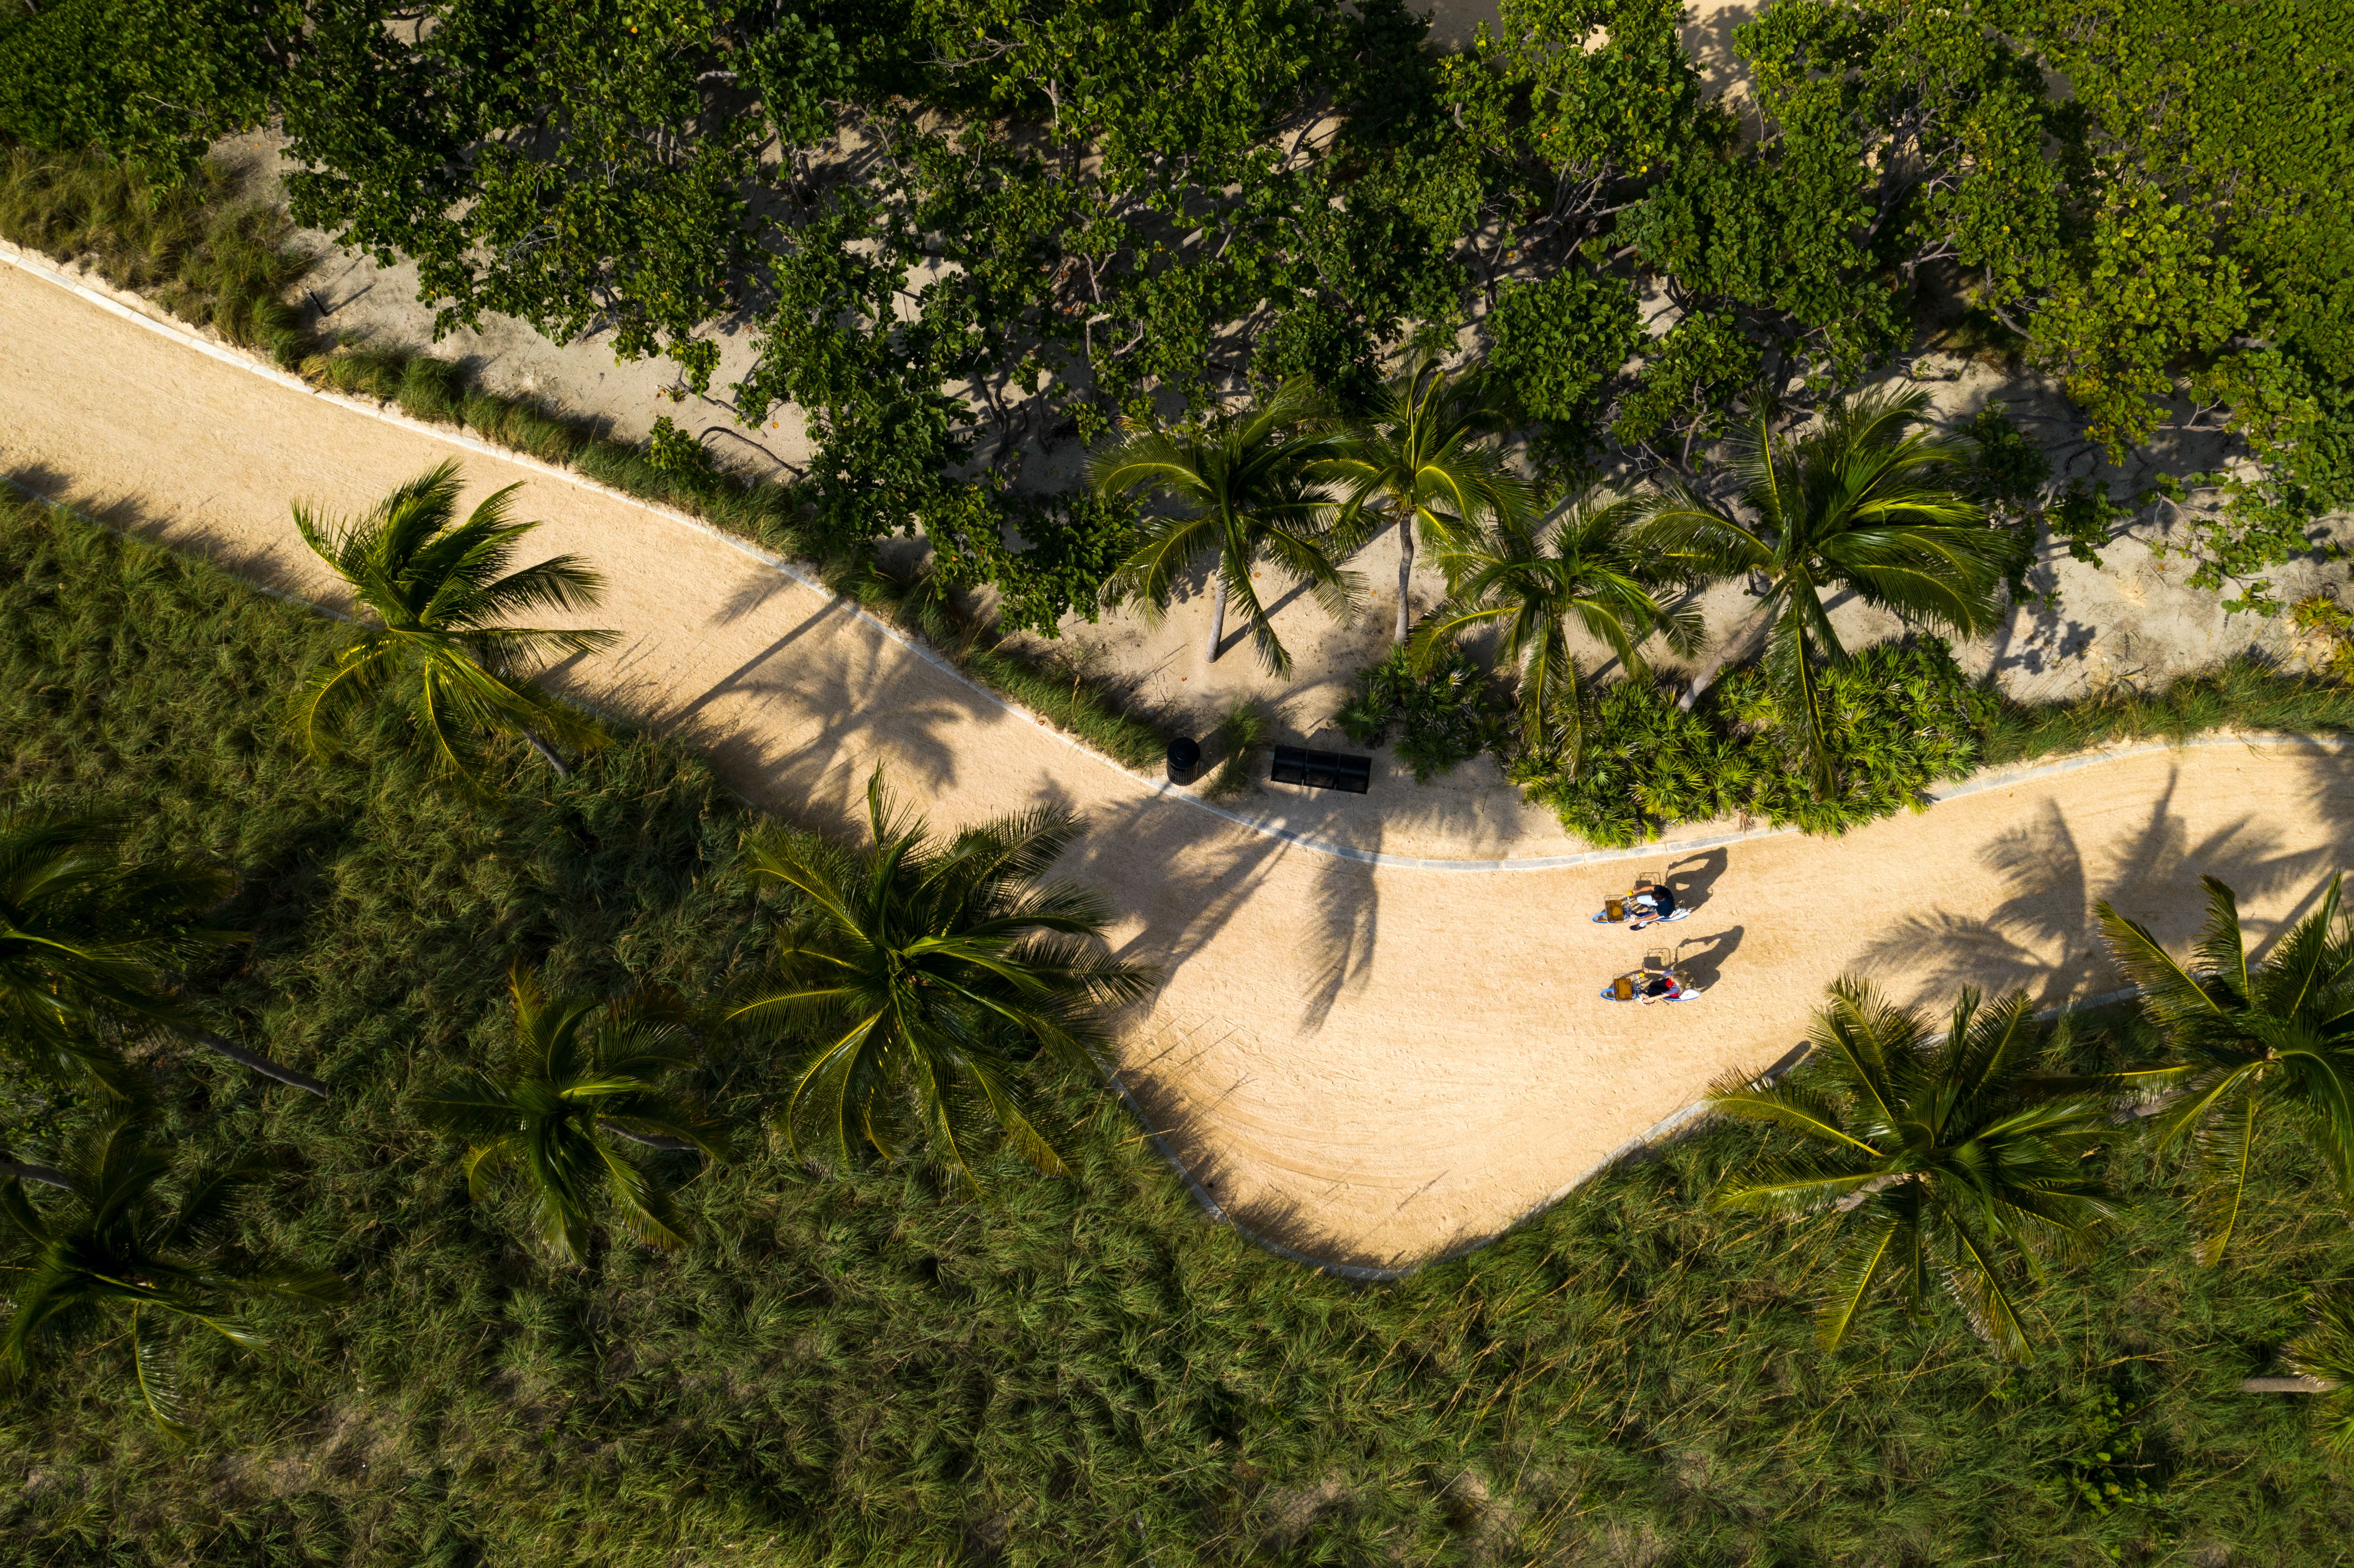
(917, 978)
(438, 589)
(1943, 1165)
(149, 81)
(90, 945)
(2261, 1045)
(1864, 500)
(1423, 459)
(87, 942)
(2325, 1352)
(1249, 487)
(968, 231)
(583, 1076)
(114, 1255)
(1532, 579)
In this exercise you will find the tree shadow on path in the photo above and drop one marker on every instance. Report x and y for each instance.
(2045, 937)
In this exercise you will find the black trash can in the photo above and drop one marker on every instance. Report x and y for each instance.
(1184, 759)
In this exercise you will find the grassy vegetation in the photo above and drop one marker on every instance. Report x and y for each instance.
(862, 1370)
(217, 262)
(196, 249)
(2245, 695)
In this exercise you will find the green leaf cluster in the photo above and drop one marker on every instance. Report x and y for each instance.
(1072, 544)
(1902, 716)
(1444, 707)
(153, 81)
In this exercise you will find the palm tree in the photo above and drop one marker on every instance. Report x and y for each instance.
(1858, 503)
(1939, 1158)
(1246, 483)
(1578, 566)
(1424, 459)
(436, 588)
(2258, 1045)
(926, 973)
(113, 1253)
(581, 1074)
(2323, 1359)
(87, 945)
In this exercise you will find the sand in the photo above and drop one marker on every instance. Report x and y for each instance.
(1369, 1062)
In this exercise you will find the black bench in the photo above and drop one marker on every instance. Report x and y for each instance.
(1321, 769)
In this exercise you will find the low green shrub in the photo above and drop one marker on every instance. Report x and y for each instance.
(1906, 720)
(1445, 708)
(2247, 693)
(1640, 762)
(2324, 617)
(1905, 717)
(929, 602)
(1084, 705)
(431, 389)
(1904, 714)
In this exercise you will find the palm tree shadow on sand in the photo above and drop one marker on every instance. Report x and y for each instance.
(2044, 937)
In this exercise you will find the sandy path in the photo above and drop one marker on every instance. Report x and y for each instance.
(1368, 1061)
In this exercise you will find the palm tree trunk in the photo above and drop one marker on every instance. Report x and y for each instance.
(40, 1173)
(260, 1063)
(1854, 1200)
(651, 1140)
(1217, 622)
(1406, 570)
(544, 754)
(1744, 644)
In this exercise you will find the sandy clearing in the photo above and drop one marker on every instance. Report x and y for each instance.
(1371, 1063)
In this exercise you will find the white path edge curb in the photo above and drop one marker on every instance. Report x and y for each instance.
(40, 267)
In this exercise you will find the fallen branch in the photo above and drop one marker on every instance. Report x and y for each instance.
(261, 1064)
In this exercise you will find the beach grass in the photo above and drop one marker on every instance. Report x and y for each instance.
(2247, 694)
(196, 249)
(858, 1368)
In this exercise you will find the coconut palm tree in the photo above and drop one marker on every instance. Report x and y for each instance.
(1862, 502)
(1426, 460)
(581, 1077)
(1532, 582)
(1939, 1160)
(2323, 1360)
(2259, 1046)
(1247, 488)
(113, 1256)
(436, 588)
(87, 945)
(924, 975)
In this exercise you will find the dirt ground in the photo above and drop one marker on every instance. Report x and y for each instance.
(1375, 1063)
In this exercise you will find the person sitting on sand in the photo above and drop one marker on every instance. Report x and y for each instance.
(1653, 902)
(1659, 985)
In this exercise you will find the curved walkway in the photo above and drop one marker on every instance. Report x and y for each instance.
(1354, 1057)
